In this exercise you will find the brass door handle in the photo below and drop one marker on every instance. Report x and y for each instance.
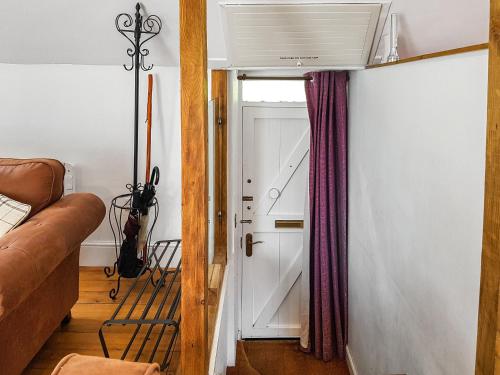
(249, 244)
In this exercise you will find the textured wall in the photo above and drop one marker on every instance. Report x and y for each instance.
(416, 181)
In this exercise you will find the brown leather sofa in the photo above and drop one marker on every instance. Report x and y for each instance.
(39, 260)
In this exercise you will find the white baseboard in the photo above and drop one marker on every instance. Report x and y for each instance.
(102, 253)
(97, 254)
(350, 362)
(218, 331)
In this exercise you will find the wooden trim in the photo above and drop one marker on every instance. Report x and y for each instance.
(488, 347)
(194, 143)
(456, 51)
(244, 77)
(219, 93)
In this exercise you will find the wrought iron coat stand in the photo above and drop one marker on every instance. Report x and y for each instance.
(134, 31)
(151, 306)
(138, 32)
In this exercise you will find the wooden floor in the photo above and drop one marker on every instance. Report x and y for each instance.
(93, 307)
(281, 357)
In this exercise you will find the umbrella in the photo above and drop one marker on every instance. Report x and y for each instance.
(146, 201)
(128, 264)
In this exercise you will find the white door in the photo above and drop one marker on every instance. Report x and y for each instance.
(275, 164)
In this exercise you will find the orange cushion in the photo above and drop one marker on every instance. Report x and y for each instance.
(37, 182)
(74, 364)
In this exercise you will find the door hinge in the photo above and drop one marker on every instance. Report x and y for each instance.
(219, 215)
(219, 121)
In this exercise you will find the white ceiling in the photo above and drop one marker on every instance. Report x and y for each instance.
(83, 32)
(427, 26)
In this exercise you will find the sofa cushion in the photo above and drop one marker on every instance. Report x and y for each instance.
(29, 253)
(37, 182)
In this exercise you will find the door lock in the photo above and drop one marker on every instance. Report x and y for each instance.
(249, 244)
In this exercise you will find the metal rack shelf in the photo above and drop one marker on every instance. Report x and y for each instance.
(149, 312)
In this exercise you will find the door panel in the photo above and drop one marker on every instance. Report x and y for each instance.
(275, 164)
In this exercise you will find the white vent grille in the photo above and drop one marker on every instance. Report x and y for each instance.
(291, 35)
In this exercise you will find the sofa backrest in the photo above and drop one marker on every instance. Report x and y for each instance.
(37, 182)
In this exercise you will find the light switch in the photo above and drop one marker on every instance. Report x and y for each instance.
(69, 179)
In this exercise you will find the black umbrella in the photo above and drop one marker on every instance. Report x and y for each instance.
(128, 264)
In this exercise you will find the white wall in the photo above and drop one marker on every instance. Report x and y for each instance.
(84, 33)
(416, 180)
(84, 115)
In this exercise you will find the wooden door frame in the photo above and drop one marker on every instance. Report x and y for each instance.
(219, 95)
(488, 336)
(194, 149)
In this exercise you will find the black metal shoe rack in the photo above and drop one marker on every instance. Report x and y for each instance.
(149, 313)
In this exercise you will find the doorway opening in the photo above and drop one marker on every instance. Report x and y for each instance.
(274, 162)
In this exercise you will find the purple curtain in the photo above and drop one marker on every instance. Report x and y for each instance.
(327, 105)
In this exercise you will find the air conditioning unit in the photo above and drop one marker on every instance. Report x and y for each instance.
(291, 34)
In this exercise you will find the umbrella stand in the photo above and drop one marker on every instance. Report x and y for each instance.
(118, 216)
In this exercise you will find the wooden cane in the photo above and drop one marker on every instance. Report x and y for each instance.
(143, 240)
(150, 124)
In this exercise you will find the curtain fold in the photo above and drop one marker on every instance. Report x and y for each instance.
(327, 106)
(305, 277)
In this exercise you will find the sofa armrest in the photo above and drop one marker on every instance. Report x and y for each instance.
(72, 218)
(37, 247)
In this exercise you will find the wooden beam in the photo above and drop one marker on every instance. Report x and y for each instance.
(456, 51)
(488, 347)
(219, 94)
(194, 142)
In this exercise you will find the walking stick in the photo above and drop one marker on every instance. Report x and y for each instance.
(150, 123)
(142, 244)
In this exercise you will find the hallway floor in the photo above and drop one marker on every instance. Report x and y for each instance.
(272, 357)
